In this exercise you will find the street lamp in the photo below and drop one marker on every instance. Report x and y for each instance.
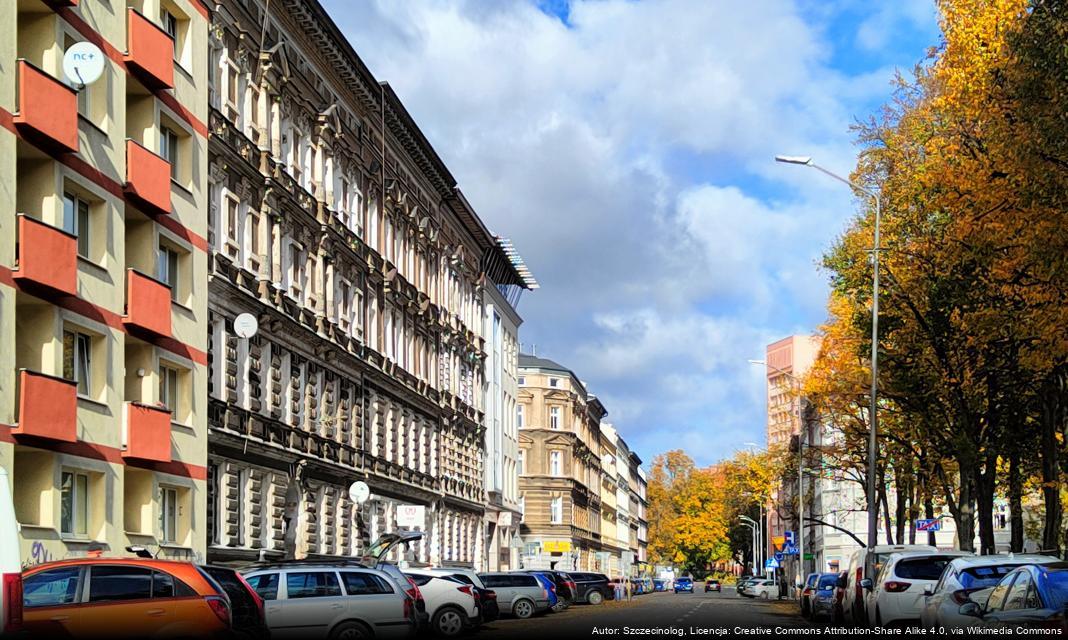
(873, 419)
(800, 468)
(747, 521)
(760, 508)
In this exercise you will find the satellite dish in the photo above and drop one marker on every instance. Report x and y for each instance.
(83, 63)
(245, 325)
(359, 492)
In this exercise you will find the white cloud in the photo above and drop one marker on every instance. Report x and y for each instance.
(628, 154)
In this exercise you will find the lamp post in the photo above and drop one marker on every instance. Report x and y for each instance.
(760, 511)
(873, 418)
(800, 468)
(747, 521)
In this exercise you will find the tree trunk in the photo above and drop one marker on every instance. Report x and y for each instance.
(900, 504)
(1050, 453)
(965, 516)
(1016, 538)
(928, 512)
(985, 476)
(886, 515)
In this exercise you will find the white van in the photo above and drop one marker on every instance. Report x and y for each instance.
(862, 565)
(10, 564)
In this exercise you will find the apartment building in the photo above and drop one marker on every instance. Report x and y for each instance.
(507, 277)
(641, 489)
(610, 559)
(560, 467)
(335, 224)
(103, 276)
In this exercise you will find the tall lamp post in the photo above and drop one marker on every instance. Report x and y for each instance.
(800, 466)
(747, 521)
(873, 418)
(760, 511)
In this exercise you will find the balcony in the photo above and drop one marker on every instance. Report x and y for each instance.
(61, 4)
(148, 179)
(47, 258)
(47, 110)
(149, 52)
(148, 432)
(148, 305)
(48, 407)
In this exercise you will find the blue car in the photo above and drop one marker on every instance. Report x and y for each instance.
(659, 585)
(684, 584)
(1030, 596)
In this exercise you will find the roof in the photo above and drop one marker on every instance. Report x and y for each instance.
(506, 266)
(534, 362)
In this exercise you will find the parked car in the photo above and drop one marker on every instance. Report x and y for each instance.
(763, 589)
(822, 601)
(1029, 596)
(839, 597)
(964, 577)
(743, 584)
(659, 585)
(324, 599)
(10, 563)
(565, 588)
(864, 565)
(487, 598)
(377, 557)
(593, 588)
(550, 588)
(247, 614)
(451, 603)
(896, 596)
(124, 597)
(807, 592)
(518, 594)
(713, 585)
(684, 584)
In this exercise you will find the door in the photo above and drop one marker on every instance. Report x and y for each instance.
(1022, 605)
(371, 598)
(50, 599)
(309, 607)
(120, 593)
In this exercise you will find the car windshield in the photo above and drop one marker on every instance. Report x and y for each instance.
(983, 577)
(1058, 588)
(827, 582)
(925, 568)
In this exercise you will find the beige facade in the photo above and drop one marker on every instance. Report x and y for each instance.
(103, 274)
(561, 470)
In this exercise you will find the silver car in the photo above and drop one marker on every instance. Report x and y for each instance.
(518, 594)
(335, 600)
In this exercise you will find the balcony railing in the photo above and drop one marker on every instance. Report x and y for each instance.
(148, 432)
(149, 51)
(148, 305)
(47, 110)
(48, 407)
(148, 179)
(47, 257)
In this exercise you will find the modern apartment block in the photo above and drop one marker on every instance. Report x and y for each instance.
(560, 467)
(507, 276)
(641, 488)
(336, 225)
(103, 276)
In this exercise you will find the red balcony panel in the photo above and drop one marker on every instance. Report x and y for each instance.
(149, 51)
(148, 305)
(148, 432)
(148, 179)
(48, 407)
(61, 4)
(47, 258)
(47, 110)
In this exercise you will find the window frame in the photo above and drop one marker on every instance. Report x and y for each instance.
(80, 371)
(79, 496)
(80, 208)
(168, 495)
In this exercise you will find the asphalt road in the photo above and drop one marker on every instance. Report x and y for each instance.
(655, 615)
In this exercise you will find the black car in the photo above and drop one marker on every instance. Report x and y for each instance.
(592, 588)
(486, 599)
(246, 607)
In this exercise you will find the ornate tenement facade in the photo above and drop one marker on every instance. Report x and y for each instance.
(560, 467)
(335, 224)
(103, 288)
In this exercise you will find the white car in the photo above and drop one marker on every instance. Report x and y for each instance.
(449, 602)
(763, 589)
(10, 565)
(897, 594)
(864, 565)
(966, 579)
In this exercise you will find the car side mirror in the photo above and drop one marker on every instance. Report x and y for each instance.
(866, 583)
(928, 590)
(971, 609)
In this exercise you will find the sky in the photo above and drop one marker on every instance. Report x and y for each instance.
(626, 147)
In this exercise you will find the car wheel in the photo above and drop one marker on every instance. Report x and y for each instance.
(523, 609)
(448, 622)
(594, 597)
(764, 595)
(350, 631)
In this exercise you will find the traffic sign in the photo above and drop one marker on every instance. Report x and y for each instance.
(932, 524)
(779, 556)
(789, 536)
(789, 549)
(771, 563)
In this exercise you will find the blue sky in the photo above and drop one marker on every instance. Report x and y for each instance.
(626, 147)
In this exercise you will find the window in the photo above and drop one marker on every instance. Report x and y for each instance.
(168, 514)
(296, 271)
(295, 161)
(997, 596)
(554, 382)
(170, 24)
(344, 313)
(265, 585)
(522, 461)
(311, 584)
(232, 215)
(253, 109)
(255, 232)
(168, 388)
(519, 416)
(233, 91)
(168, 149)
(167, 268)
(555, 463)
(1017, 596)
(556, 511)
(77, 353)
(364, 584)
(522, 380)
(76, 221)
(51, 588)
(74, 504)
(554, 417)
(119, 583)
